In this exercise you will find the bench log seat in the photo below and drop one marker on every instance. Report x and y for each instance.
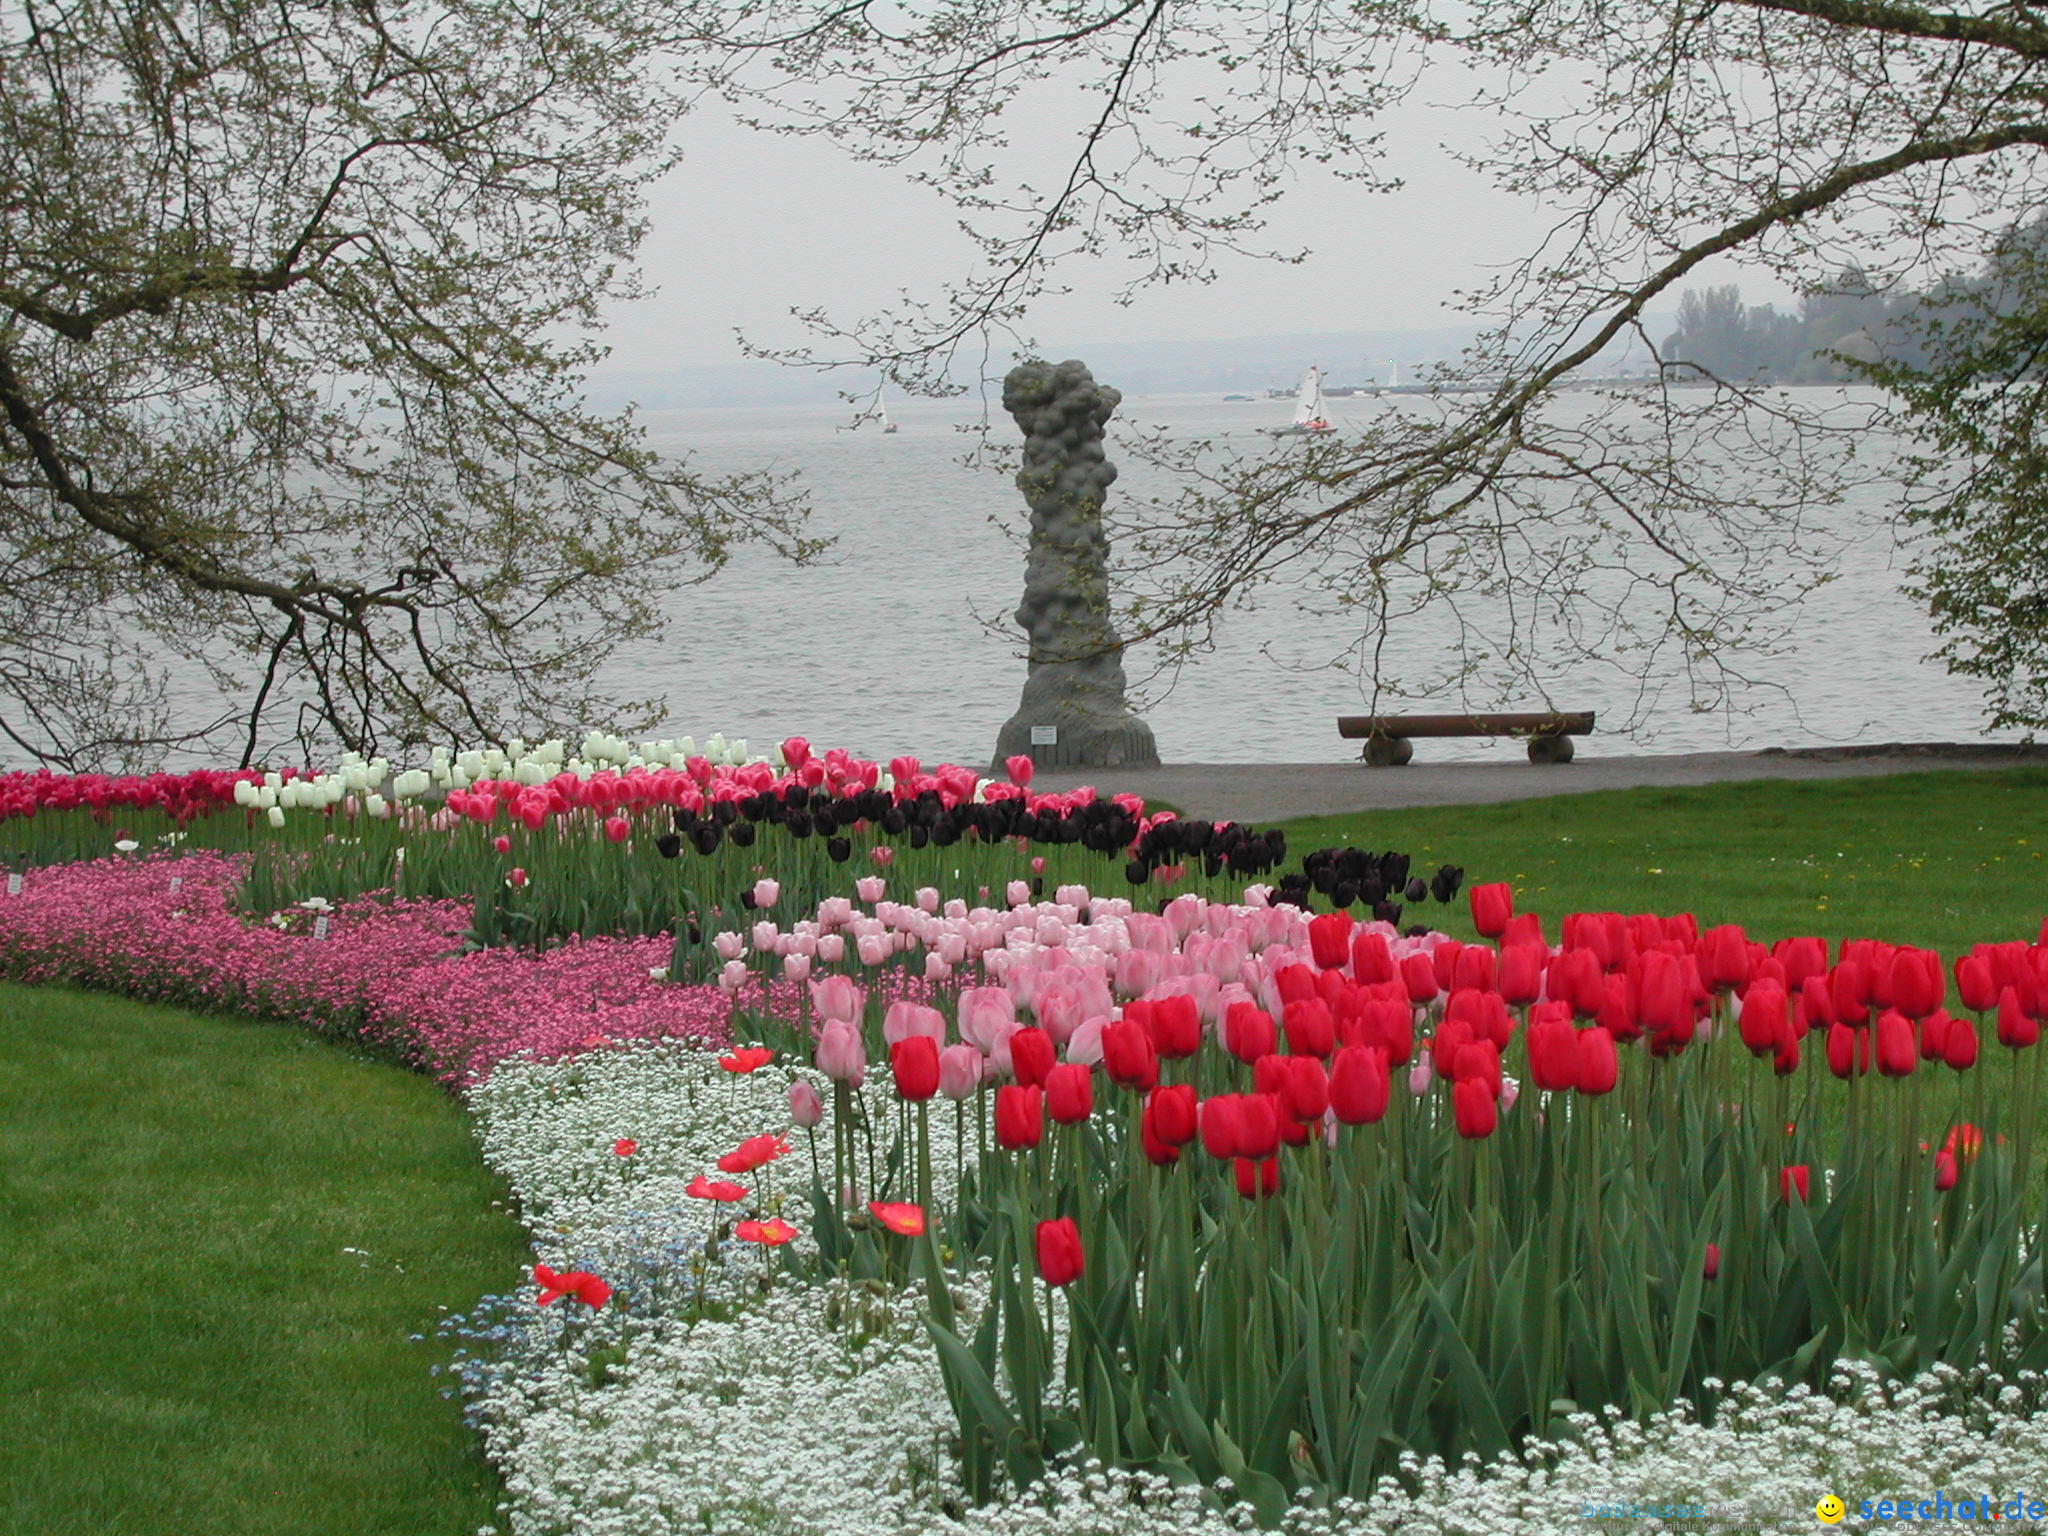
(1389, 739)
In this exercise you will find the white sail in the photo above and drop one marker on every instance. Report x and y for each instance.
(1309, 412)
(877, 415)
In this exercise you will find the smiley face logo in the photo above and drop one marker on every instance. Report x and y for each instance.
(1829, 1511)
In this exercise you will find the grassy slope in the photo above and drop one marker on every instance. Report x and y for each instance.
(1937, 859)
(188, 1346)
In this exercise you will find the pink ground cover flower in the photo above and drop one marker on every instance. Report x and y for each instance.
(390, 976)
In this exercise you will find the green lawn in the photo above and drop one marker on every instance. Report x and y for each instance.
(1934, 859)
(190, 1344)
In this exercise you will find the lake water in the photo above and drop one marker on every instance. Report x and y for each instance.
(883, 649)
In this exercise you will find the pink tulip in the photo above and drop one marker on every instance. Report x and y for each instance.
(928, 898)
(873, 948)
(837, 998)
(516, 879)
(765, 892)
(764, 935)
(831, 948)
(841, 1055)
(935, 968)
(728, 946)
(905, 1018)
(869, 888)
(983, 1012)
(959, 1071)
(616, 828)
(732, 976)
(1019, 769)
(796, 752)
(1018, 893)
(501, 844)
(796, 967)
(1419, 1075)
(805, 1107)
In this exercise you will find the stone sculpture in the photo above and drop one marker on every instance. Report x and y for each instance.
(1074, 690)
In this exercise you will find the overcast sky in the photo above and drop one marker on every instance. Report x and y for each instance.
(753, 225)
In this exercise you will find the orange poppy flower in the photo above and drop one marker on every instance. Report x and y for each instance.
(899, 1216)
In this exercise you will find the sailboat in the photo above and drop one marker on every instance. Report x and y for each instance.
(1309, 414)
(877, 413)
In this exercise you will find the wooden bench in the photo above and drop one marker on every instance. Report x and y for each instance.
(1389, 738)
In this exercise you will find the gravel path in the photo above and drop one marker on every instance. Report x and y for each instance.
(1277, 791)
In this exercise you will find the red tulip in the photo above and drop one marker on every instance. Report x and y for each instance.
(1802, 957)
(1974, 984)
(1712, 1267)
(1472, 1107)
(1069, 1093)
(1307, 1093)
(1359, 1084)
(1786, 1062)
(1128, 1057)
(1959, 1047)
(1418, 975)
(1020, 1117)
(1791, 1179)
(1492, 906)
(1475, 969)
(1934, 1035)
(1916, 982)
(1255, 1179)
(1664, 1004)
(1553, 1047)
(915, 1061)
(1766, 1019)
(1816, 1004)
(580, 1284)
(1258, 1125)
(1944, 1171)
(2016, 1028)
(1031, 1056)
(1848, 1051)
(1598, 1068)
(1311, 1031)
(1329, 939)
(1176, 1026)
(1248, 1032)
(1158, 1153)
(1059, 1252)
(1371, 960)
(1170, 1111)
(1293, 982)
(1849, 990)
(1521, 973)
(1222, 1125)
(1723, 955)
(616, 828)
(1896, 1052)
(900, 1217)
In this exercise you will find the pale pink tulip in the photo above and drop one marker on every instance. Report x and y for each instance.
(982, 1012)
(764, 934)
(869, 888)
(796, 967)
(831, 948)
(936, 969)
(905, 1018)
(729, 946)
(1419, 1075)
(837, 998)
(1018, 893)
(732, 976)
(873, 948)
(1071, 895)
(765, 892)
(841, 1056)
(928, 899)
(1084, 1045)
(959, 1071)
(882, 856)
(805, 1107)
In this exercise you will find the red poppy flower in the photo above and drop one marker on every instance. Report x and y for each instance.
(702, 1188)
(899, 1216)
(746, 1059)
(625, 1146)
(753, 1153)
(770, 1234)
(580, 1284)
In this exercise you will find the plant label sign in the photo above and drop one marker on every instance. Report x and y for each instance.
(1045, 735)
(176, 881)
(320, 926)
(14, 885)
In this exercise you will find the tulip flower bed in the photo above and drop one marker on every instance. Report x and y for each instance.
(543, 847)
(1052, 1213)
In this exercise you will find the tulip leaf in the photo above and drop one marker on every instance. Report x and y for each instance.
(1475, 1397)
(1823, 1300)
(1190, 1428)
(1266, 1495)
(976, 1393)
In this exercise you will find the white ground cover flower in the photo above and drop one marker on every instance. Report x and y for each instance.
(698, 1402)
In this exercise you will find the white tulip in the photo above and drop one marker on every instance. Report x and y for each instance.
(245, 794)
(275, 815)
(377, 806)
(413, 782)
